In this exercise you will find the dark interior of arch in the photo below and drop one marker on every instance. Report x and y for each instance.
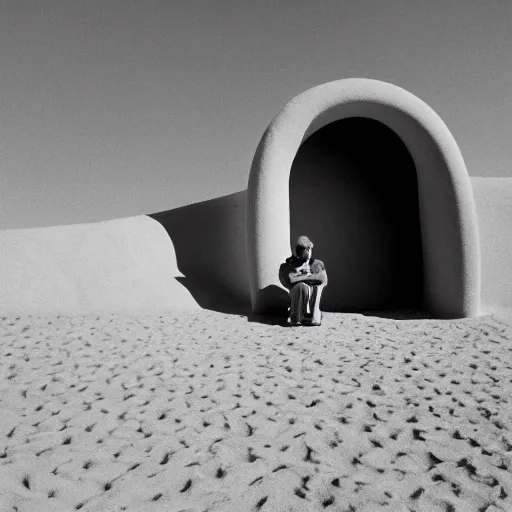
(353, 191)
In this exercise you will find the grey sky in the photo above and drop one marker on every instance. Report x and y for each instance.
(117, 108)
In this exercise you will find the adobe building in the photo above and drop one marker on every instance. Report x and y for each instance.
(364, 168)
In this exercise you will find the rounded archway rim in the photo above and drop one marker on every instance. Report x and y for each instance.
(297, 120)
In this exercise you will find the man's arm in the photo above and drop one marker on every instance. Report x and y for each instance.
(319, 274)
(316, 278)
(284, 275)
(294, 278)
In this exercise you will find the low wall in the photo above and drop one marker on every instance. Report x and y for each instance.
(135, 265)
(493, 198)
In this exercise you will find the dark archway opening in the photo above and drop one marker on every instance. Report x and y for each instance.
(353, 191)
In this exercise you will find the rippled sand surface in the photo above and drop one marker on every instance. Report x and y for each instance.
(202, 411)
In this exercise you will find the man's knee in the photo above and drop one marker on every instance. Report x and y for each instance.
(299, 288)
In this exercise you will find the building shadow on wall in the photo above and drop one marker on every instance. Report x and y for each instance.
(209, 240)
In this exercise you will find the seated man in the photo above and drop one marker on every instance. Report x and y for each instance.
(305, 278)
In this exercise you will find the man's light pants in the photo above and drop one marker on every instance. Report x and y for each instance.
(305, 302)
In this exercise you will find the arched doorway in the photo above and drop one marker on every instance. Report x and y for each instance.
(365, 223)
(447, 217)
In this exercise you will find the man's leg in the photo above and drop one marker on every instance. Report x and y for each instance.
(299, 297)
(314, 304)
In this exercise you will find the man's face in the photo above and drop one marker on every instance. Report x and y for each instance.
(304, 252)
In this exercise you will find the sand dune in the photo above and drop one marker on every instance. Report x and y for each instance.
(202, 411)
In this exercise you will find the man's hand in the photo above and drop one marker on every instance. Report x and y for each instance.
(317, 278)
(321, 276)
(296, 277)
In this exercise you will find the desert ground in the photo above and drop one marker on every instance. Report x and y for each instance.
(209, 412)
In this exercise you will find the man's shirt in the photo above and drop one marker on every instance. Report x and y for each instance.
(293, 264)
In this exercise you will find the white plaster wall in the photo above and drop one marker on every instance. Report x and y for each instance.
(493, 198)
